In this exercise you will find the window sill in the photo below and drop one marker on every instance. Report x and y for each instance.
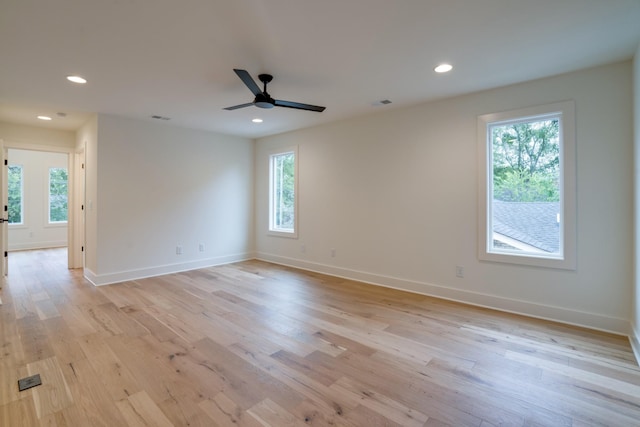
(286, 234)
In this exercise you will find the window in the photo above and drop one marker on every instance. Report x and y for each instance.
(15, 191)
(527, 194)
(282, 193)
(57, 195)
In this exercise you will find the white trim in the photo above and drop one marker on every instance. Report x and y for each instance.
(557, 314)
(566, 110)
(37, 245)
(293, 234)
(634, 340)
(123, 276)
(37, 147)
(90, 276)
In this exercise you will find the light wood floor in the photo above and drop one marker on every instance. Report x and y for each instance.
(254, 344)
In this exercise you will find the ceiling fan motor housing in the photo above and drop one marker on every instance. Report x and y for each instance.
(263, 100)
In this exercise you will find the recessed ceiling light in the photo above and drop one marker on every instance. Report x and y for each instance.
(443, 68)
(44, 117)
(257, 120)
(77, 79)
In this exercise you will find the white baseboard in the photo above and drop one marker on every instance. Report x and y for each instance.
(37, 245)
(123, 276)
(558, 314)
(634, 339)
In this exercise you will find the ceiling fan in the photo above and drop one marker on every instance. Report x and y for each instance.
(262, 97)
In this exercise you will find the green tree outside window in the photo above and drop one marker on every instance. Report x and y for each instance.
(15, 194)
(526, 161)
(284, 195)
(58, 199)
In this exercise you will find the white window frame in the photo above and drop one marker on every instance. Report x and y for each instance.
(273, 230)
(22, 216)
(567, 132)
(48, 192)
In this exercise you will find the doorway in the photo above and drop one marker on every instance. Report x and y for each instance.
(44, 195)
(37, 187)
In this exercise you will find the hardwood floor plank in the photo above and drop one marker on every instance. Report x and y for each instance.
(24, 306)
(225, 413)
(315, 371)
(632, 390)
(77, 321)
(147, 321)
(19, 413)
(99, 317)
(149, 361)
(185, 412)
(305, 386)
(92, 405)
(139, 411)
(391, 409)
(34, 339)
(313, 414)
(66, 346)
(411, 388)
(244, 382)
(54, 394)
(571, 349)
(114, 376)
(175, 324)
(270, 414)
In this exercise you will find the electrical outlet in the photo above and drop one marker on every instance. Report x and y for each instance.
(333, 252)
(459, 271)
(178, 250)
(303, 248)
(201, 247)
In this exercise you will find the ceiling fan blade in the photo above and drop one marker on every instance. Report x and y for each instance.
(248, 80)
(235, 107)
(298, 105)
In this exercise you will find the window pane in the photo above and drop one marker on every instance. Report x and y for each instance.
(57, 195)
(283, 192)
(525, 211)
(15, 206)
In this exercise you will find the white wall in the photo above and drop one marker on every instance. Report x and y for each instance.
(28, 137)
(395, 194)
(157, 187)
(635, 320)
(36, 232)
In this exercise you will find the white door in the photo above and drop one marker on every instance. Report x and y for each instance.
(4, 218)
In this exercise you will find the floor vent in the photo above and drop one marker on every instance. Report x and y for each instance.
(28, 382)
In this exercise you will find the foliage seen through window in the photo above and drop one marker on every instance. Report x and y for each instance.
(58, 190)
(283, 192)
(15, 206)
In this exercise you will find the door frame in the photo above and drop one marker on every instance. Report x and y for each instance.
(75, 243)
(4, 195)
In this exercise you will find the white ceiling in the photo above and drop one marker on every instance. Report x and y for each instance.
(176, 58)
